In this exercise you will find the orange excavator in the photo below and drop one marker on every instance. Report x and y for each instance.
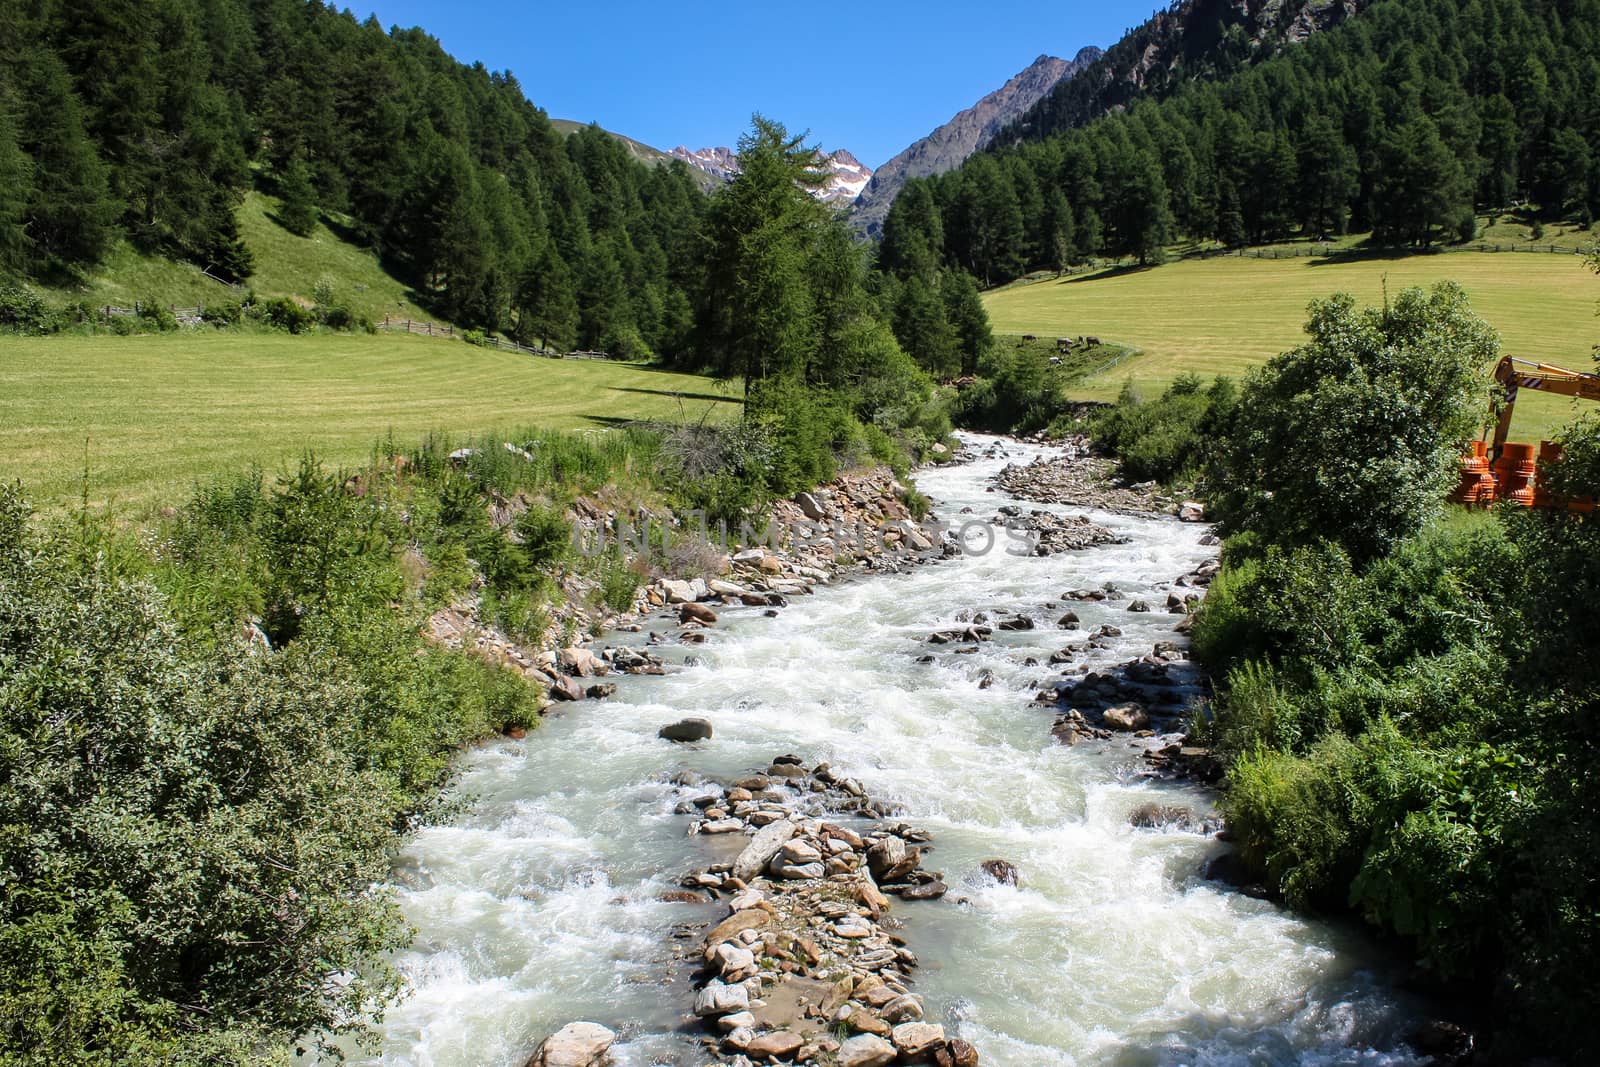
(1507, 470)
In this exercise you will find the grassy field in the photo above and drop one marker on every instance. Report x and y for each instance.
(286, 265)
(1224, 315)
(152, 415)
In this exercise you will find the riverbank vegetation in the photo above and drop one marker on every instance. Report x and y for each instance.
(1403, 691)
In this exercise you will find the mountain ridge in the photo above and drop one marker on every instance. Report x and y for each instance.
(968, 131)
(846, 174)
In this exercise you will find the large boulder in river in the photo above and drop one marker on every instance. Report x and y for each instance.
(697, 613)
(1127, 717)
(1003, 872)
(686, 730)
(575, 1045)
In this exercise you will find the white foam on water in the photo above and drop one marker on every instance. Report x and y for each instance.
(538, 906)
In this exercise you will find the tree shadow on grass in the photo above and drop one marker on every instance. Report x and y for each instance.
(678, 394)
(1105, 275)
(1377, 254)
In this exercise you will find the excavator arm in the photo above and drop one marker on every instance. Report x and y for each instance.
(1515, 374)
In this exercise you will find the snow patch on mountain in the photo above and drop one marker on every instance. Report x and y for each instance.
(846, 175)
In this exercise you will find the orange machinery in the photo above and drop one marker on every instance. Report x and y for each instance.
(1506, 470)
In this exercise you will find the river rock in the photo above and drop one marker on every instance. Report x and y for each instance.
(1003, 872)
(798, 850)
(962, 1054)
(1139, 606)
(686, 730)
(566, 688)
(697, 613)
(678, 591)
(1126, 717)
(762, 847)
(1021, 622)
(917, 1039)
(733, 926)
(575, 1045)
(1069, 621)
(719, 998)
(581, 662)
(777, 1045)
(889, 859)
(866, 1050)
(1191, 511)
(809, 507)
(734, 963)
(739, 1020)
(902, 1009)
(925, 891)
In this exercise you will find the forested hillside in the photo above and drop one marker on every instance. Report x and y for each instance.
(148, 123)
(1403, 120)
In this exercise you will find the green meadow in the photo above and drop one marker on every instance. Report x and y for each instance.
(1227, 314)
(149, 416)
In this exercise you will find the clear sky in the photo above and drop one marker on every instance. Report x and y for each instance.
(871, 77)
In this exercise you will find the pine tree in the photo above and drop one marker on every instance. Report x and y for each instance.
(71, 214)
(297, 200)
(924, 331)
(16, 190)
(967, 317)
(758, 317)
(1061, 231)
(547, 304)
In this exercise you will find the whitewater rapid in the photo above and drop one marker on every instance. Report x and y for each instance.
(538, 906)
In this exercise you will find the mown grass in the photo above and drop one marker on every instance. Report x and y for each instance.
(1224, 315)
(153, 415)
(285, 265)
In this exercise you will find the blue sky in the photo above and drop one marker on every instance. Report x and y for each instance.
(871, 77)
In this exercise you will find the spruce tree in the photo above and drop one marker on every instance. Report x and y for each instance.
(71, 214)
(297, 200)
(16, 190)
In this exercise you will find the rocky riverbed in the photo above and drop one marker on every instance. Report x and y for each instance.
(570, 905)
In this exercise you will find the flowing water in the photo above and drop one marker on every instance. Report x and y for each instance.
(539, 907)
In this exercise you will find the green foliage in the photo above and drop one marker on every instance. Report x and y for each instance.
(1168, 439)
(1354, 436)
(284, 314)
(297, 199)
(1409, 739)
(1015, 393)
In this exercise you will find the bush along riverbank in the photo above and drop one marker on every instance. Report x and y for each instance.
(221, 721)
(1405, 692)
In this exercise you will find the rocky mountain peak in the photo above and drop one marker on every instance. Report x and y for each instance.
(969, 131)
(847, 175)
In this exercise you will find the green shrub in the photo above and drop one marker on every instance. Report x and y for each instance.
(1355, 436)
(156, 315)
(545, 535)
(284, 314)
(23, 311)
(1167, 439)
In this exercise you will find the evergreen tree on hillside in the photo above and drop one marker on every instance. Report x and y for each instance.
(71, 215)
(1422, 190)
(297, 199)
(16, 190)
(547, 304)
(924, 331)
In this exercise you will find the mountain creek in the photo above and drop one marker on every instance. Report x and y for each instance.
(556, 893)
